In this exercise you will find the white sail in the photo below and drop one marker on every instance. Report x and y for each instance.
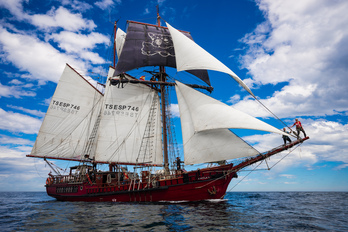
(208, 113)
(205, 123)
(190, 56)
(120, 39)
(70, 118)
(124, 134)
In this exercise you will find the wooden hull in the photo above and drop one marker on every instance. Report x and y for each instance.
(204, 184)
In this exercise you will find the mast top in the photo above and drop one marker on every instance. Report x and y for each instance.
(158, 16)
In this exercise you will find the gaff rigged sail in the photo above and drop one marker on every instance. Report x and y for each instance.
(130, 129)
(70, 118)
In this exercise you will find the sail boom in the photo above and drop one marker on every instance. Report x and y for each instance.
(136, 81)
(153, 25)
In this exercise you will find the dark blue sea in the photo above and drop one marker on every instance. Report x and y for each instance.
(240, 211)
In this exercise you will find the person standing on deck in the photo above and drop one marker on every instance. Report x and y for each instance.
(178, 163)
(122, 76)
(299, 128)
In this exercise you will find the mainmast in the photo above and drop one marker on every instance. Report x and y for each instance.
(115, 28)
(163, 106)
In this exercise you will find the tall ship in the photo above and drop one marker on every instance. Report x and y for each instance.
(122, 137)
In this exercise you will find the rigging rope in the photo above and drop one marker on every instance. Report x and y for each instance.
(264, 169)
(245, 176)
(271, 112)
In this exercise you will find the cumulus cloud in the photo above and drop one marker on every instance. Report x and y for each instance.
(19, 123)
(15, 7)
(42, 55)
(82, 44)
(328, 142)
(15, 91)
(32, 55)
(301, 45)
(62, 18)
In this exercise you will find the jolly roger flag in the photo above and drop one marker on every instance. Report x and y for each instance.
(150, 45)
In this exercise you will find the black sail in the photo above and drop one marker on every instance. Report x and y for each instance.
(150, 45)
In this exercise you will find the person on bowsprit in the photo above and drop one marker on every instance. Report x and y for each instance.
(299, 128)
(286, 138)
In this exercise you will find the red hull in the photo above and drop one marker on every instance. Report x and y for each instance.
(204, 184)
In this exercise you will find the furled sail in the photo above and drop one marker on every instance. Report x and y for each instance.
(205, 123)
(190, 56)
(70, 118)
(150, 45)
(130, 130)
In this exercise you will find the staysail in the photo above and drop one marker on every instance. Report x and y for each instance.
(70, 118)
(190, 56)
(149, 45)
(130, 130)
(205, 123)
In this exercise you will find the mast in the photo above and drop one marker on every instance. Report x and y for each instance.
(115, 27)
(163, 106)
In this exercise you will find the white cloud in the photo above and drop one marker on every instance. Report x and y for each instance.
(341, 166)
(40, 59)
(288, 176)
(27, 173)
(15, 7)
(328, 142)
(290, 183)
(13, 153)
(14, 91)
(76, 5)
(63, 18)
(146, 11)
(81, 44)
(234, 99)
(44, 61)
(15, 122)
(303, 45)
(174, 109)
(29, 111)
(13, 140)
(104, 4)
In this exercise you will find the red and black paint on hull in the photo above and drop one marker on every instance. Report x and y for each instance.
(198, 185)
(209, 183)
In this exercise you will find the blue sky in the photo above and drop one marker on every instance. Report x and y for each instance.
(292, 54)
